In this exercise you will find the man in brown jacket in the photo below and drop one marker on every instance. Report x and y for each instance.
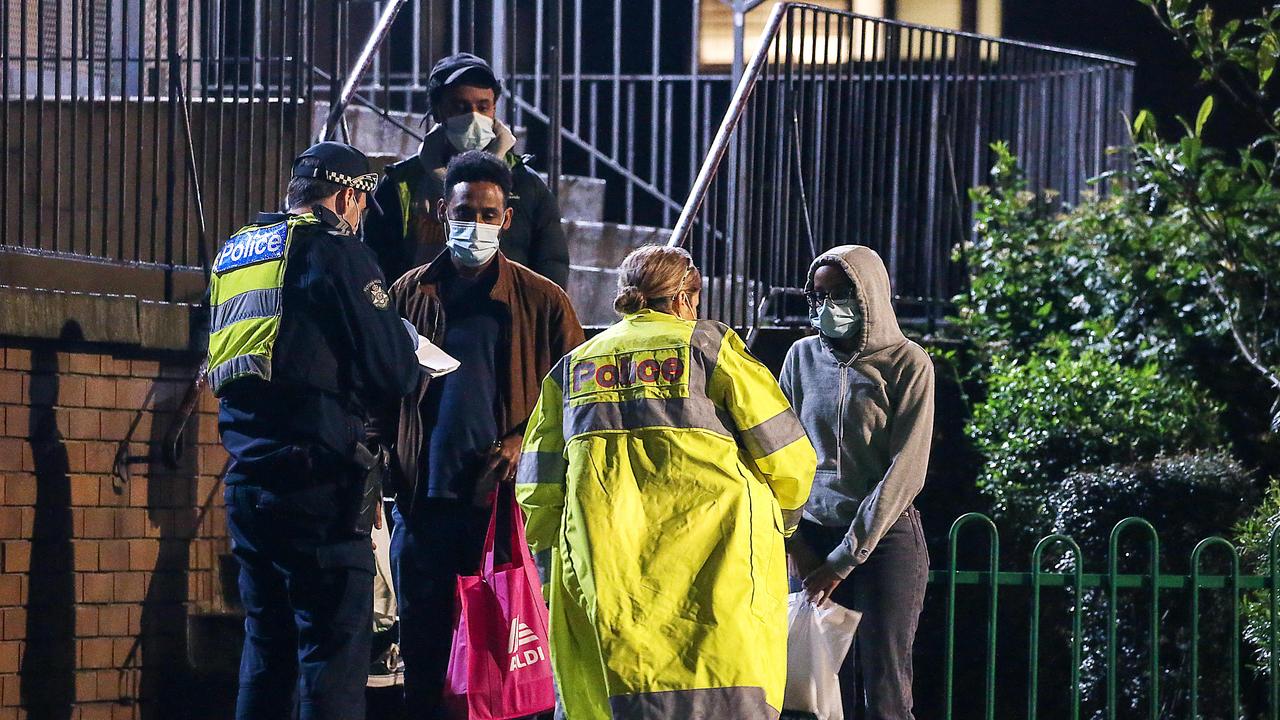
(459, 435)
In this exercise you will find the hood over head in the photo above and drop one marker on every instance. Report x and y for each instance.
(871, 284)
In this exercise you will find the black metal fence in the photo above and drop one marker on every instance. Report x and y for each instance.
(609, 90)
(851, 129)
(144, 131)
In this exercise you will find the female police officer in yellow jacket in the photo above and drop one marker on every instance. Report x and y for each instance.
(663, 467)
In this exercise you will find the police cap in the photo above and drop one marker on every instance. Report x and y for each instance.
(338, 163)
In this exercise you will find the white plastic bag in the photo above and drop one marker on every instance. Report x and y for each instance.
(818, 638)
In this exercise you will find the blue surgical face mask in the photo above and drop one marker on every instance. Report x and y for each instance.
(473, 244)
(837, 320)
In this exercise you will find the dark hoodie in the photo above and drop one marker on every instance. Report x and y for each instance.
(869, 415)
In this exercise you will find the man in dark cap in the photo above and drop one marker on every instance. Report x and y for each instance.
(463, 93)
(303, 345)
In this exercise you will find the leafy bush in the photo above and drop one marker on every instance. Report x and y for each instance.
(1253, 537)
(1047, 415)
(1229, 201)
(1104, 274)
(1188, 498)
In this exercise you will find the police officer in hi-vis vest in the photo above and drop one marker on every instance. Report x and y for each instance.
(303, 345)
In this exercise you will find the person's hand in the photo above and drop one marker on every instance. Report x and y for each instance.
(801, 560)
(820, 584)
(503, 458)
(377, 523)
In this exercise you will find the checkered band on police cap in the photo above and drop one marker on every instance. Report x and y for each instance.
(366, 182)
(338, 163)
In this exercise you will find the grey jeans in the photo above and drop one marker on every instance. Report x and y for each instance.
(888, 589)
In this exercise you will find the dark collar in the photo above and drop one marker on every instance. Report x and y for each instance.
(327, 216)
(270, 218)
(321, 213)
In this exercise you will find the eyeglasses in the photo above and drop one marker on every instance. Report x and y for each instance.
(817, 297)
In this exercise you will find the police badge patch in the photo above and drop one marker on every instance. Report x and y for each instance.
(377, 295)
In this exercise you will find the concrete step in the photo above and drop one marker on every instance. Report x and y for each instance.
(596, 249)
(581, 198)
(373, 134)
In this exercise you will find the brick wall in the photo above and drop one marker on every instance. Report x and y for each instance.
(99, 575)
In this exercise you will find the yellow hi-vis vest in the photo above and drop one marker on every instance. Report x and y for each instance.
(245, 300)
(662, 468)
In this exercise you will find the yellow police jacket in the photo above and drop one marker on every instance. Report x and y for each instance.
(663, 467)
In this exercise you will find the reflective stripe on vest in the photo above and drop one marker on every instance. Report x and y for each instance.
(655, 387)
(406, 198)
(245, 300)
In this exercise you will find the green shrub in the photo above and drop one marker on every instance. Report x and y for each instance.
(1047, 415)
(1187, 498)
(1101, 275)
(1253, 537)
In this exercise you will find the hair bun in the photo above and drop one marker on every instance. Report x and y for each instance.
(630, 300)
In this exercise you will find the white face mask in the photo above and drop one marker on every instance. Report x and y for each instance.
(471, 131)
(473, 244)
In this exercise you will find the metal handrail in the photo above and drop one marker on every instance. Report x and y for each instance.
(720, 145)
(752, 73)
(376, 37)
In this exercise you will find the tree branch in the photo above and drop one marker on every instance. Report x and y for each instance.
(1249, 353)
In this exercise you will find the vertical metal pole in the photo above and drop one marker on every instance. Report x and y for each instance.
(695, 48)
(156, 231)
(539, 34)
(576, 123)
(455, 22)
(77, 30)
(739, 38)
(615, 148)
(106, 129)
(931, 239)
(895, 165)
(431, 33)
(556, 114)
(654, 66)
(139, 87)
(41, 104)
(171, 166)
(668, 119)
(57, 128)
(631, 151)
(24, 22)
(5, 68)
(593, 127)
(499, 39)
(510, 62)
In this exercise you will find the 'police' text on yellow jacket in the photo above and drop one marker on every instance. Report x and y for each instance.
(663, 467)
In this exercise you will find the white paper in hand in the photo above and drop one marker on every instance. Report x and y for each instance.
(436, 361)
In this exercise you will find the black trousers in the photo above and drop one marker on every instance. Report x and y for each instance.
(888, 589)
(306, 580)
(442, 540)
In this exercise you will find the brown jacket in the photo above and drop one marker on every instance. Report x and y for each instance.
(541, 327)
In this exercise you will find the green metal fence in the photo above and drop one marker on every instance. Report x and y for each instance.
(1068, 633)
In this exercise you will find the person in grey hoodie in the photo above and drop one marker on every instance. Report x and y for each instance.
(864, 394)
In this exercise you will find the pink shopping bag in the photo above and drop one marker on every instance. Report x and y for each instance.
(500, 664)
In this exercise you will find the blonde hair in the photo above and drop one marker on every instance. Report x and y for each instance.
(651, 276)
